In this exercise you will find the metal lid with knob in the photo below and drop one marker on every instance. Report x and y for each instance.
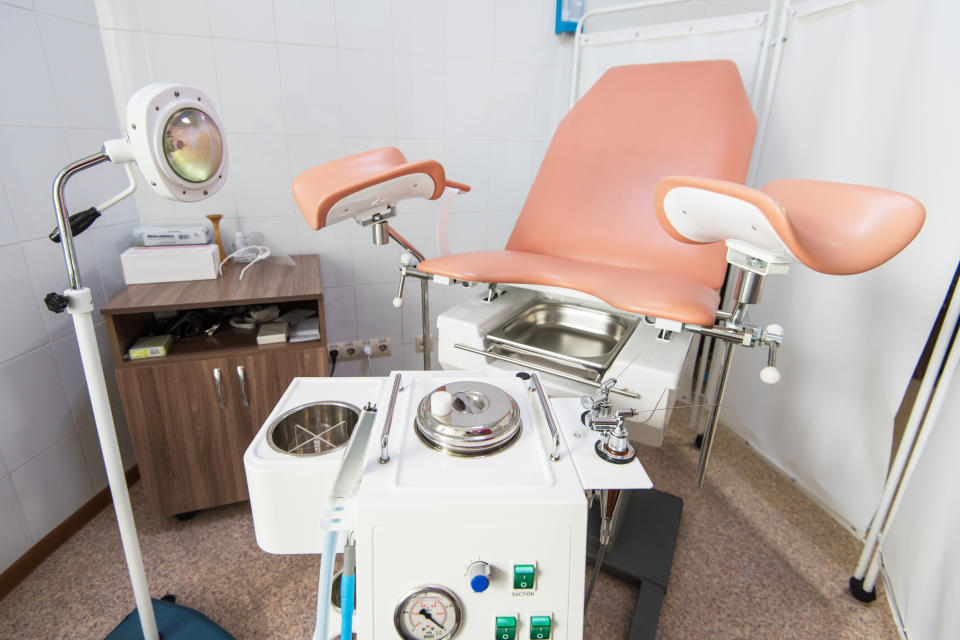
(481, 418)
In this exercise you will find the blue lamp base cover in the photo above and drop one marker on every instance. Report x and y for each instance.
(174, 623)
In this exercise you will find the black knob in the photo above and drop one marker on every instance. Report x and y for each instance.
(523, 375)
(56, 302)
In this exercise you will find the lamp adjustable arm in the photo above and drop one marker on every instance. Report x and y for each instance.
(63, 220)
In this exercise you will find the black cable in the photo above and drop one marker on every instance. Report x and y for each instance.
(333, 360)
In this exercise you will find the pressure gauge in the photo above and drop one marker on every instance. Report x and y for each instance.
(430, 612)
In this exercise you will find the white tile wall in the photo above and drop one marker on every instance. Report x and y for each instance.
(186, 17)
(35, 407)
(8, 231)
(74, 74)
(57, 106)
(367, 93)
(82, 11)
(251, 21)
(477, 86)
(260, 175)
(306, 22)
(23, 330)
(28, 175)
(14, 533)
(364, 24)
(420, 103)
(34, 103)
(181, 59)
(52, 485)
(307, 73)
(418, 26)
(249, 80)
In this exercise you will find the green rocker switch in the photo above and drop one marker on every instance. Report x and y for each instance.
(523, 576)
(506, 628)
(539, 627)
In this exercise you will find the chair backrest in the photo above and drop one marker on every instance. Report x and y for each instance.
(593, 198)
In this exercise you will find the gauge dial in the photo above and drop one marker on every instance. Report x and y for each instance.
(430, 612)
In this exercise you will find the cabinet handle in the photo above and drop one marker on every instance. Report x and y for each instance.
(217, 379)
(243, 385)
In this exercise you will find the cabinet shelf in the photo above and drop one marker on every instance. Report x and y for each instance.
(226, 342)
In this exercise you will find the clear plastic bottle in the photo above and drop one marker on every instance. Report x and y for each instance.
(240, 242)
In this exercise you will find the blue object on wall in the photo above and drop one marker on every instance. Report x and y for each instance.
(564, 26)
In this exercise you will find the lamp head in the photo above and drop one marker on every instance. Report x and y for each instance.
(173, 133)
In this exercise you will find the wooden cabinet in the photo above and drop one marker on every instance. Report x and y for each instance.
(193, 413)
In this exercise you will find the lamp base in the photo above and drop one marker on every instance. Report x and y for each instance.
(174, 622)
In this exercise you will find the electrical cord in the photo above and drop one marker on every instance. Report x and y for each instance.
(262, 254)
(333, 360)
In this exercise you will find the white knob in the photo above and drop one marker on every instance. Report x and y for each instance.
(398, 302)
(770, 375)
(441, 403)
(406, 259)
(775, 329)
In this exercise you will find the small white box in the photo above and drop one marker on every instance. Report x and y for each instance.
(143, 265)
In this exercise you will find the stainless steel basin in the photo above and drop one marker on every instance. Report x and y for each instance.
(565, 332)
(313, 429)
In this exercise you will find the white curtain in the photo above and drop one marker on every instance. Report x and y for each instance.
(867, 94)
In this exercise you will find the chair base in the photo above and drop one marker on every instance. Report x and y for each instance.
(174, 622)
(642, 552)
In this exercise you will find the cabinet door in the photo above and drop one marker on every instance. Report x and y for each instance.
(267, 375)
(189, 444)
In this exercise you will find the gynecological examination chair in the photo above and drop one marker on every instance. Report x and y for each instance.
(639, 202)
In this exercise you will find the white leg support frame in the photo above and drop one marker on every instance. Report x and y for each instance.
(932, 389)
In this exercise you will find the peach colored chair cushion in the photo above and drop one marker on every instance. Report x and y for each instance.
(831, 227)
(653, 293)
(317, 190)
(590, 208)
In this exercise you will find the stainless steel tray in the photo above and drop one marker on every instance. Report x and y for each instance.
(564, 332)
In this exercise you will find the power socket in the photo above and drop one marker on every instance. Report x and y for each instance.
(353, 350)
(433, 343)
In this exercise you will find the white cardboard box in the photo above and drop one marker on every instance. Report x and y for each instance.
(142, 265)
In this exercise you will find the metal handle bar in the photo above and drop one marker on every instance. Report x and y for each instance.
(385, 436)
(542, 369)
(548, 412)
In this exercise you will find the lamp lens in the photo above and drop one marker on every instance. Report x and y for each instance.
(192, 145)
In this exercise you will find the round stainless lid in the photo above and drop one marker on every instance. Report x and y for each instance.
(482, 419)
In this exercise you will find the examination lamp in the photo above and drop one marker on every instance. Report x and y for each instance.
(172, 133)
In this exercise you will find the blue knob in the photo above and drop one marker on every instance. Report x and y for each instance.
(479, 583)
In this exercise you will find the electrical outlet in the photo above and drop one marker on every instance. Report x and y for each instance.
(379, 347)
(433, 343)
(353, 350)
(345, 350)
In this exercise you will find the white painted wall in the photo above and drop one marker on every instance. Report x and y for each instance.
(55, 108)
(477, 85)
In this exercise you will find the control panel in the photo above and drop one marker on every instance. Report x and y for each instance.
(509, 587)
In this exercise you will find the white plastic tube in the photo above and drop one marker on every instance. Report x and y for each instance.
(345, 487)
(325, 586)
